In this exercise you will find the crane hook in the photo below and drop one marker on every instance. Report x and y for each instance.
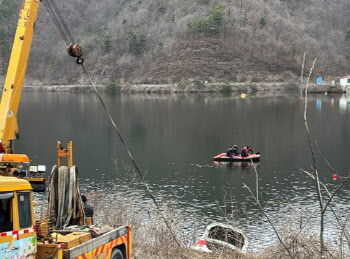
(79, 60)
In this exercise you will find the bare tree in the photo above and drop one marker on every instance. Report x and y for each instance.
(291, 26)
(323, 203)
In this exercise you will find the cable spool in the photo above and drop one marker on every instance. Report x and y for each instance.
(65, 204)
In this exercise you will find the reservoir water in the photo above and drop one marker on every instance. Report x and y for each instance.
(174, 137)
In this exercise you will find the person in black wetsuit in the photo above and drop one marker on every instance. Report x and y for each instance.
(88, 210)
(235, 150)
(229, 152)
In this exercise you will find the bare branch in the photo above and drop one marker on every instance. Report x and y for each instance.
(268, 219)
(324, 158)
(318, 188)
(309, 139)
(335, 213)
(301, 79)
(256, 171)
(331, 198)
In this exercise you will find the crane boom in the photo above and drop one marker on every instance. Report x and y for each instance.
(15, 74)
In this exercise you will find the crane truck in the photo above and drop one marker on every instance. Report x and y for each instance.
(53, 236)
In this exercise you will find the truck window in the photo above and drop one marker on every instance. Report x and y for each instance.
(5, 211)
(24, 210)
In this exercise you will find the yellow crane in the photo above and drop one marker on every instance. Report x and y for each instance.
(15, 75)
(10, 163)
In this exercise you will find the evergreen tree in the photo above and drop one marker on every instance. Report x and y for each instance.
(347, 35)
(262, 22)
(137, 43)
(107, 44)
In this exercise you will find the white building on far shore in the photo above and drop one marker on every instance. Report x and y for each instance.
(345, 83)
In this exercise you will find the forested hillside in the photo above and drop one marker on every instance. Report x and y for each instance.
(163, 41)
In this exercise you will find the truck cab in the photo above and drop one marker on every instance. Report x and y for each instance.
(19, 238)
(17, 222)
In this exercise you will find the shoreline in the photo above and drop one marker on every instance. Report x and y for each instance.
(246, 87)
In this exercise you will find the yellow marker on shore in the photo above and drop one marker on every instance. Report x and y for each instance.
(243, 95)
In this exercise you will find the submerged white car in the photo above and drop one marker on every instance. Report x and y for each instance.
(220, 235)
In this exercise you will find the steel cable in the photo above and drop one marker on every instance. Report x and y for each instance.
(56, 21)
(130, 155)
(61, 19)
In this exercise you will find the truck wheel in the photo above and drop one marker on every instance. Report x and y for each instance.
(117, 254)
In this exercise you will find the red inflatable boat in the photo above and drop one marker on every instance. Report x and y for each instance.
(239, 158)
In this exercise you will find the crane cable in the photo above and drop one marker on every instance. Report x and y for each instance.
(57, 10)
(67, 37)
(59, 21)
(130, 155)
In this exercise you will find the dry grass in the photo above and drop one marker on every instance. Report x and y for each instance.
(152, 239)
(301, 245)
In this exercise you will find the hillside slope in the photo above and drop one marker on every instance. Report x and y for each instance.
(163, 41)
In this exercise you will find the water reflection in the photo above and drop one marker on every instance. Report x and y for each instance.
(344, 103)
(174, 138)
(319, 105)
(244, 167)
